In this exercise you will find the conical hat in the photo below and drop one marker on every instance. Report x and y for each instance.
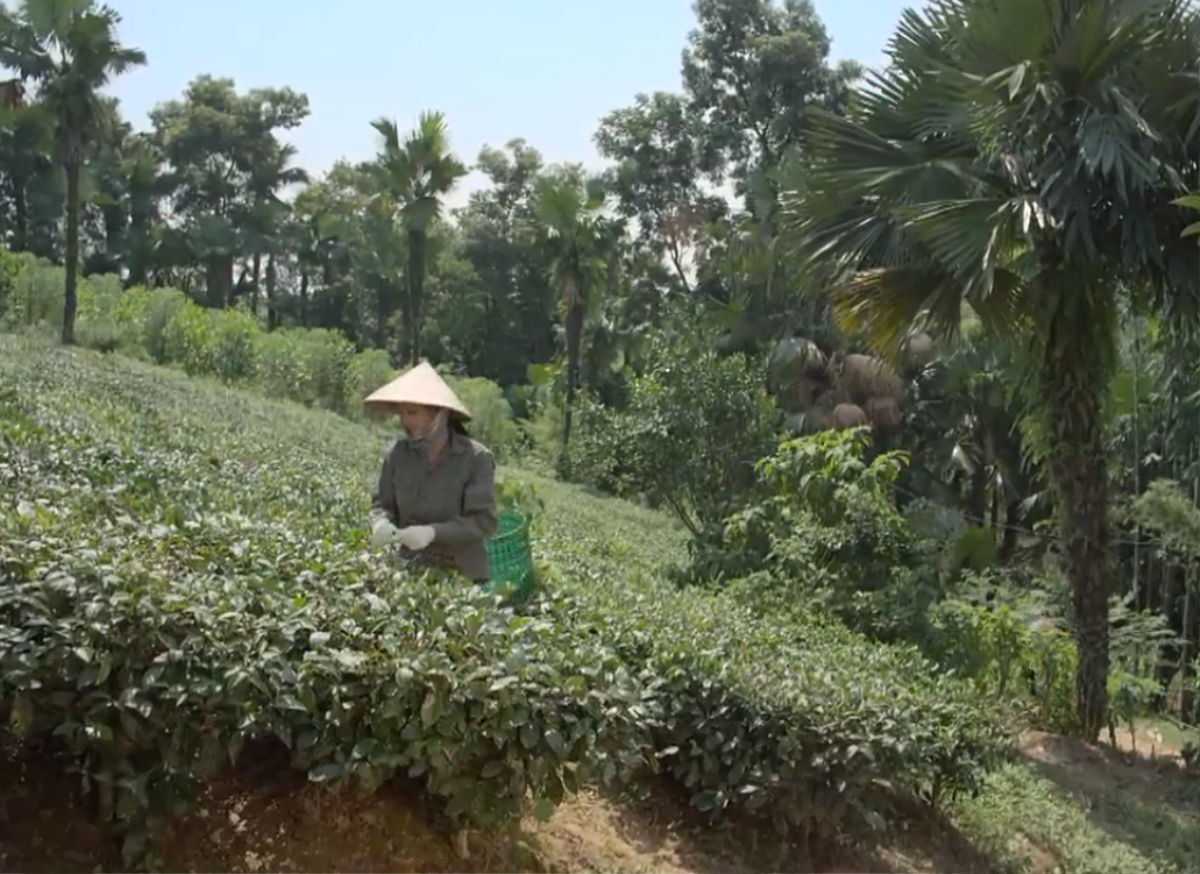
(419, 385)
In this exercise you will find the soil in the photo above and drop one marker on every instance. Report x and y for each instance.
(1145, 768)
(265, 817)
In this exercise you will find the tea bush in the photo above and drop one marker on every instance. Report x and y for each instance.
(174, 583)
(788, 715)
(183, 570)
(801, 720)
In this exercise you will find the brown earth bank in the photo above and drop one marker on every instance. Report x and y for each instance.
(264, 817)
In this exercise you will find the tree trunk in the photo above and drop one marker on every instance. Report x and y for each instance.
(1080, 473)
(72, 254)
(20, 217)
(574, 325)
(416, 291)
(304, 297)
(1012, 521)
(272, 281)
(219, 281)
(383, 310)
(136, 254)
(257, 275)
(977, 497)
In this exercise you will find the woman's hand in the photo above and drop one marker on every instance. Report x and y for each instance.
(416, 537)
(383, 533)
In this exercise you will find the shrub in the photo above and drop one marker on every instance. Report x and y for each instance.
(798, 719)
(370, 369)
(695, 425)
(219, 343)
(10, 268)
(491, 416)
(1001, 644)
(161, 306)
(101, 333)
(171, 586)
(36, 295)
(97, 326)
(307, 365)
(235, 344)
(821, 529)
(187, 342)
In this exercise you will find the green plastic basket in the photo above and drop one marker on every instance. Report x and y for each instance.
(510, 556)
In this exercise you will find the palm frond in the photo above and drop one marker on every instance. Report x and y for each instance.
(882, 304)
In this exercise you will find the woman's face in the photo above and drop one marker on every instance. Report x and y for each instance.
(416, 419)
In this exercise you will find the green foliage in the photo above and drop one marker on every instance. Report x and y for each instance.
(35, 294)
(312, 366)
(789, 717)
(217, 343)
(183, 573)
(370, 369)
(1166, 512)
(163, 603)
(10, 268)
(763, 712)
(1026, 669)
(695, 425)
(824, 530)
(153, 310)
(492, 421)
(1093, 828)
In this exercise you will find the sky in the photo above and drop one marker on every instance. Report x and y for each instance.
(543, 70)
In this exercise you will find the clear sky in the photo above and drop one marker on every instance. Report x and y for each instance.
(544, 70)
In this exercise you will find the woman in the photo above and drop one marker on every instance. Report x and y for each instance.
(436, 494)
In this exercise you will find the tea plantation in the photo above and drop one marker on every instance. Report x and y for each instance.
(184, 572)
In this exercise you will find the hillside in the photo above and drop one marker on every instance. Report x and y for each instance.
(182, 546)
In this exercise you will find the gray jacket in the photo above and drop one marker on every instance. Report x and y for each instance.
(456, 497)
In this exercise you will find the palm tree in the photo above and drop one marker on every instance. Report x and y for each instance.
(416, 173)
(26, 168)
(69, 48)
(269, 171)
(579, 236)
(1019, 156)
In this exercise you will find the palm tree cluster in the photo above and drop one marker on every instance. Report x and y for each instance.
(70, 49)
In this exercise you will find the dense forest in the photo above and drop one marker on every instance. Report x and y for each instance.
(966, 278)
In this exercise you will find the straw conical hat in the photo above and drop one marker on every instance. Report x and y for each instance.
(419, 385)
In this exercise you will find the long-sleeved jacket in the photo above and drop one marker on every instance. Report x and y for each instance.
(456, 498)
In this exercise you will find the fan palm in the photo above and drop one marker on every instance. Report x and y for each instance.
(1019, 157)
(270, 171)
(579, 235)
(70, 49)
(416, 173)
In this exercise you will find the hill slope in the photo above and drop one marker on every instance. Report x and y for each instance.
(206, 483)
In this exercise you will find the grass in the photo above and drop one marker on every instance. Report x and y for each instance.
(1056, 806)
(1060, 805)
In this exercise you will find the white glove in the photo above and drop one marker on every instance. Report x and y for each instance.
(416, 537)
(383, 533)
